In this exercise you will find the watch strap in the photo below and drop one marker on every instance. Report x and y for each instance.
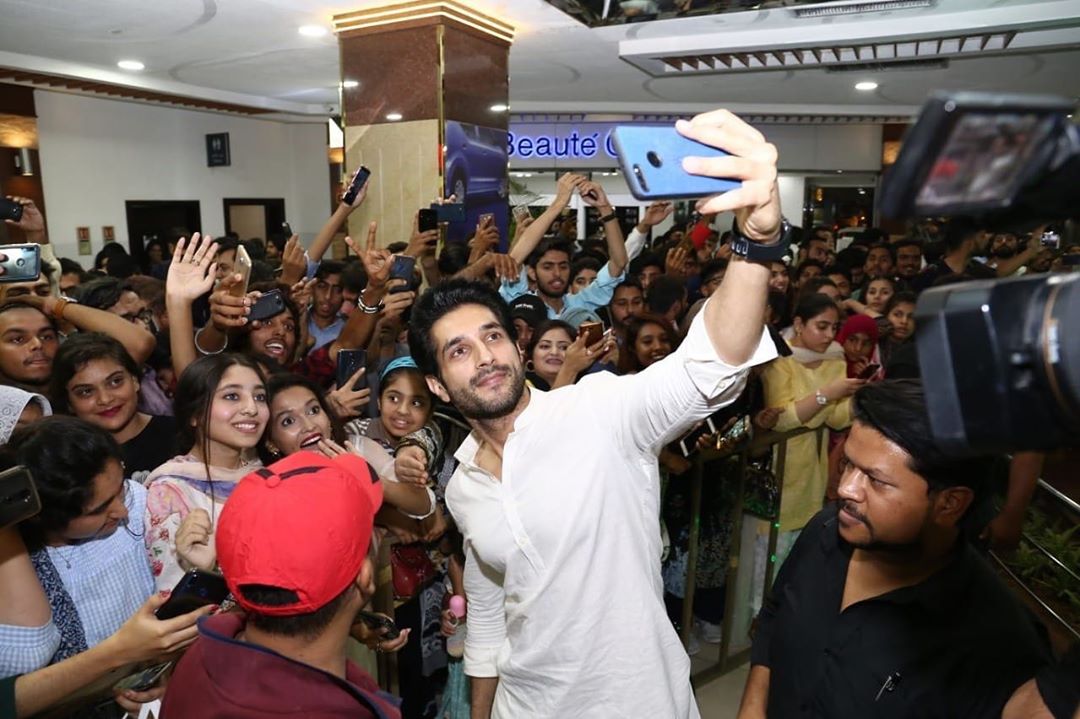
(754, 251)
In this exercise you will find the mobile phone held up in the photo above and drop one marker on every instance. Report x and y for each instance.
(427, 220)
(270, 304)
(349, 363)
(195, 589)
(10, 210)
(242, 267)
(358, 181)
(651, 160)
(591, 331)
(22, 263)
(376, 622)
(403, 269)
(451, 212)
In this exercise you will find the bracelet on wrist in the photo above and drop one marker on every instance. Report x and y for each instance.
(366, 308)
(198, 347)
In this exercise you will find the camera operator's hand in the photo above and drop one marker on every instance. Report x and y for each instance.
(842, 388)
(195, 542)
(756, 203)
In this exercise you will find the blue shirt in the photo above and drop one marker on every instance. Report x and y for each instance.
(593, 297)
(324, 335)
(108, 579)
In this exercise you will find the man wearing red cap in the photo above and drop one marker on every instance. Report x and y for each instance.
(292, 543)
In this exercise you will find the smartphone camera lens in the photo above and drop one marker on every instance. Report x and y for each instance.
(641, 178)
(654, 159)
(20, 262)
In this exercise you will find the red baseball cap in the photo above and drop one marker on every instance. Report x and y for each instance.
(303, 524)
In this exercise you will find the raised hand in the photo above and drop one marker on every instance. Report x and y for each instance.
(360, 196)
(486, 237)
(192, 270)
(31, 220)
(228, 311)
(347, 401)
(592, 194)
(657, 212)
(675, 262)
(750, 158)
(300, 293)
(566, 186)
(376, 261)
(421, 243)
(195, 541)
(506, 268)
(293, 262)
(396, 303)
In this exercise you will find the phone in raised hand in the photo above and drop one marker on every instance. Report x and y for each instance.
(349, 363)
(23, 263)
(358, 181)
(591, 331)
(242, 267)
(651, 160)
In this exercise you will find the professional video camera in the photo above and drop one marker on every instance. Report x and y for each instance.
(1000, 359)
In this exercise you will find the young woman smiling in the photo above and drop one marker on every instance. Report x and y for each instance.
(95, 379)
(221, 412)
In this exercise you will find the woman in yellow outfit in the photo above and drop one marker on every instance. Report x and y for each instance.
(810, 388)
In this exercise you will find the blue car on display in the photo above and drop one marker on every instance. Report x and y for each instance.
(475, 162)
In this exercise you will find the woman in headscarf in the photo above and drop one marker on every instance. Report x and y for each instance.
(19, 408)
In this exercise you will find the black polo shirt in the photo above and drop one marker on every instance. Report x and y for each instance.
(956, 645)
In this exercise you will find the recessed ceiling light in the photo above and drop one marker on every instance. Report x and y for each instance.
(500, 108)
(313, 30)
(866, 85)
(349, 84)
(130, 65)
(839, 172)
(393, 116)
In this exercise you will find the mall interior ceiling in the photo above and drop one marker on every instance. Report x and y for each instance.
(789, 58)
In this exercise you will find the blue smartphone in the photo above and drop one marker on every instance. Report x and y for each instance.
(453, 212)
(651, 159)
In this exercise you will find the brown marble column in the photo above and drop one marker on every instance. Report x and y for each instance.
(424, 101)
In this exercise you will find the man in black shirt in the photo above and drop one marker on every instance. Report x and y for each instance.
(963, 240)
(883, 609)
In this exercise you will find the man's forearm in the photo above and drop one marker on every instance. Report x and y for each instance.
(483, 696)
(616, 243)
(360, 327)
(735, 316)
(531, 235)
(137, 341)
(755, 698)
(326, 234)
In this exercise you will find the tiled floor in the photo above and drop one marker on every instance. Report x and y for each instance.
(719, 699)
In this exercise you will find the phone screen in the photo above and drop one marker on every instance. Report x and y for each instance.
(427, 220)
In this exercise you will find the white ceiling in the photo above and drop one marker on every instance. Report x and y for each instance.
(249, 52)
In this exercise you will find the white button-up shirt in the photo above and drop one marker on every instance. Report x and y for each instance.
(562, 570)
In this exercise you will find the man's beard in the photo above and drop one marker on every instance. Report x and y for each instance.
(893, 549)
(546, 291)
(472, 406)
(1003, 252)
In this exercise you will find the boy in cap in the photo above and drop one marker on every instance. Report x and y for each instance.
(292, 543)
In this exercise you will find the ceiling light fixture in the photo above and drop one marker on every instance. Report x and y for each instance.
(393, 116)
(23, 164)
(313, 30)
(350, 84)
(500, 108)
(866, 85)
(130, 65)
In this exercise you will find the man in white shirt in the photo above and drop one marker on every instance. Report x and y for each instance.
(557, 493)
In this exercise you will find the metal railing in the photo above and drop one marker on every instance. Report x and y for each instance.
(1071, 506)
(755, 446)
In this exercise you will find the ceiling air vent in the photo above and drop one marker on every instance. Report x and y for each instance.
(858, 7)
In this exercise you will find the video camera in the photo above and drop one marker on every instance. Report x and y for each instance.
(1000, 366)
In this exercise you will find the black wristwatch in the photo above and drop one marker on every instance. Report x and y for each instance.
(608, 218)
(753, 251)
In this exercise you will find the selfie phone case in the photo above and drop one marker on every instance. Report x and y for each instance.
(195, 589)
(357, 184)
(651, 160)
(348, 362)
(593, 331)
(23, 263)
(270, 304)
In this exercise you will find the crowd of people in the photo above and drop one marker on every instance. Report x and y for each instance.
(521, 434)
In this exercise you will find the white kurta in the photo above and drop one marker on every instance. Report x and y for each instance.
(562, 568)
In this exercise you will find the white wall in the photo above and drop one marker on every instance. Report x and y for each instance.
(98, 153)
